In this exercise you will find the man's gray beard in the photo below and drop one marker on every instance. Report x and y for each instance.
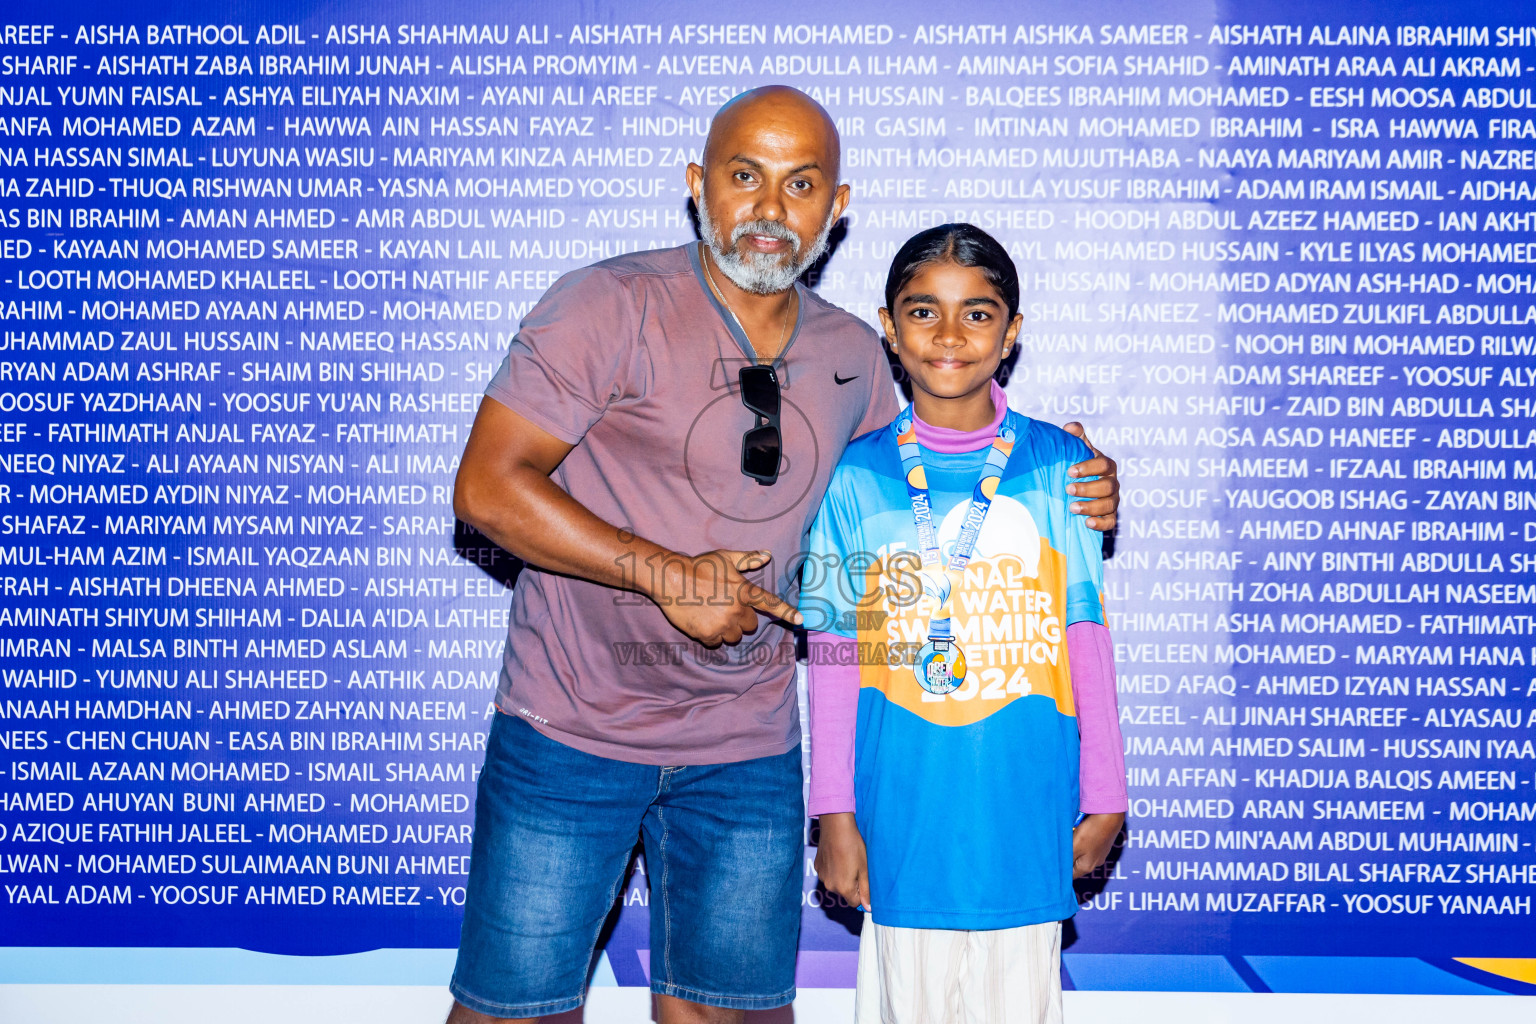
(761, 273)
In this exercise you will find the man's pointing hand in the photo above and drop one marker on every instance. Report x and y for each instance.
(707, 597)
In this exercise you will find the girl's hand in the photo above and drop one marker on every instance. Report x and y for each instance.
(1091, 841)
(841, 862)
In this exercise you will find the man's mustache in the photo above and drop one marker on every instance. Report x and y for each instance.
(767, 228)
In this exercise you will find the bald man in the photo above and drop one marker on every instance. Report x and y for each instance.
(654, 448)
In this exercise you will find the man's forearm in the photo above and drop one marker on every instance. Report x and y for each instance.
(529, 515)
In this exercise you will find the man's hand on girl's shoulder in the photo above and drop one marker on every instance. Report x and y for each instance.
(1104, 493)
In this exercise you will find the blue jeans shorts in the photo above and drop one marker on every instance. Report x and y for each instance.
(554, 832)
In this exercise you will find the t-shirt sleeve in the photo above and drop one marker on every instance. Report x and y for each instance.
(1101, 763)
(1101, 771)
(1084, 549)
(832, 691)
(882, 396)
(571, 356)
(831, 573)
(828, 602)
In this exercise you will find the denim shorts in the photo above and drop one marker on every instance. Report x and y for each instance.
(554, 832)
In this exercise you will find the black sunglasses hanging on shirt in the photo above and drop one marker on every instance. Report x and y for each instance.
(760, 446)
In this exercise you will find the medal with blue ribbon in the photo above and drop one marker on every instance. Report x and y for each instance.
(940, 666)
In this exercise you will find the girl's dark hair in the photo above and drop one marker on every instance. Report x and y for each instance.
(964, 244)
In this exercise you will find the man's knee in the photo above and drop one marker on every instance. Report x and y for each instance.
(680, 1011)
(461, 1014)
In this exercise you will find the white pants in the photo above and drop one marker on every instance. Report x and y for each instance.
(936, 976)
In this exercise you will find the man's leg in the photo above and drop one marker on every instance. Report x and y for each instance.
(554, 830)
(673, 1011)
(461, 1014)
(680, 1011)
(724, 852)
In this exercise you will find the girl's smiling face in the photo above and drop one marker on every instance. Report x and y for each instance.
(950, 328)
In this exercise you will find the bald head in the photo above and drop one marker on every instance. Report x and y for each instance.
(767, 191)
(777, 112)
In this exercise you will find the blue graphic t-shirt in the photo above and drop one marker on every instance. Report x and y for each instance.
(965, 800)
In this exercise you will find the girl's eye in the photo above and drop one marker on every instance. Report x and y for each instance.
(922, 313)
(977, 315)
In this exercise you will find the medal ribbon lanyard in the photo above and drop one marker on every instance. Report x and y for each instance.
(941, 581)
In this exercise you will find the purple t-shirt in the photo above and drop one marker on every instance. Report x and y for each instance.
(634, 362)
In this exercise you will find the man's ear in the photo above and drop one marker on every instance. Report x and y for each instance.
(693, 176)
(840, 201)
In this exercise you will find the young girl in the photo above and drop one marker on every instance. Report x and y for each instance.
(958, 666)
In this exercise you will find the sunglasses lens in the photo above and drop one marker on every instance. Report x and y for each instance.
(760, 390)
(760, 453)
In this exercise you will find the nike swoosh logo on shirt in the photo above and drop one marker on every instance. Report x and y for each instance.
(843, 380)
